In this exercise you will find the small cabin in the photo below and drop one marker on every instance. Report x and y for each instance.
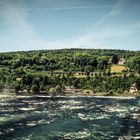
(18, 79)
(122, 61)
(110, 61)
(133, 89)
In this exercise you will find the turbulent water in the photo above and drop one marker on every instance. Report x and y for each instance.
(69, 118)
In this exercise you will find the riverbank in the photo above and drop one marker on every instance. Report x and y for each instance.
(3, 96)
(84, 93)
(105, 95)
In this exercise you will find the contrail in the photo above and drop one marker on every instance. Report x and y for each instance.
(120, 4)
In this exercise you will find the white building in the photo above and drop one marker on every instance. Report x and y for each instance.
(133, 89)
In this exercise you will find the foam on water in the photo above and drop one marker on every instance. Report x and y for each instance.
(69, 107)
(43, 117)
(77, 135)
(27, 109)
(70, 102)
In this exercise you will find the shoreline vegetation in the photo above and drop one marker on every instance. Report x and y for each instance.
(78, 72)
(80, 93)
(72, 96)
(117, 96)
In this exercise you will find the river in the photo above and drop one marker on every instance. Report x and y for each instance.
(69, 118)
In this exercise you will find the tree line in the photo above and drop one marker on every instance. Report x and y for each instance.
(31, 68)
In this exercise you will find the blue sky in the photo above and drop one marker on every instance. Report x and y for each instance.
(56, 24)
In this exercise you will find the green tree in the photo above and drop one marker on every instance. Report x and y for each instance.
(114, 59)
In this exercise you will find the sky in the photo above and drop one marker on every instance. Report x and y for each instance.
(56, 24)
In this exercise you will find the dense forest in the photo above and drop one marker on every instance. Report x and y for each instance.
(110, 71)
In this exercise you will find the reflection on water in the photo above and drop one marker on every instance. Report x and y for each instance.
(69, 118)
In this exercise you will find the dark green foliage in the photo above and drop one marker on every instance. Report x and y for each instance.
(17, 88)
(111, 92)
(134, 63)
(35, 89)
(114, 59)
(138, 83)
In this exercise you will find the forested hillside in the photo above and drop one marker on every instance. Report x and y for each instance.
(111, 71)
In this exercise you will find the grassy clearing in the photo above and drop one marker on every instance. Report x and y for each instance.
(118, 68)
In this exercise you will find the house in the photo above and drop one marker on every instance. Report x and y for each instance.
(122, 61)
(18, 79)
(110, 61)
(71, 89)
(133, 89)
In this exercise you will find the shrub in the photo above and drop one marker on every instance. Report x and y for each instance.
(17, 88)
(35, 89)
(52, 91)
(111, 92)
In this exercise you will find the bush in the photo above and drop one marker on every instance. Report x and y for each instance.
(58, 89)
(28, 88)
(17, 88)
(126, 92)
(111, 92)
(42, 88)
(52, 91)
(1, 85)
(35, 89)
(120, 91)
